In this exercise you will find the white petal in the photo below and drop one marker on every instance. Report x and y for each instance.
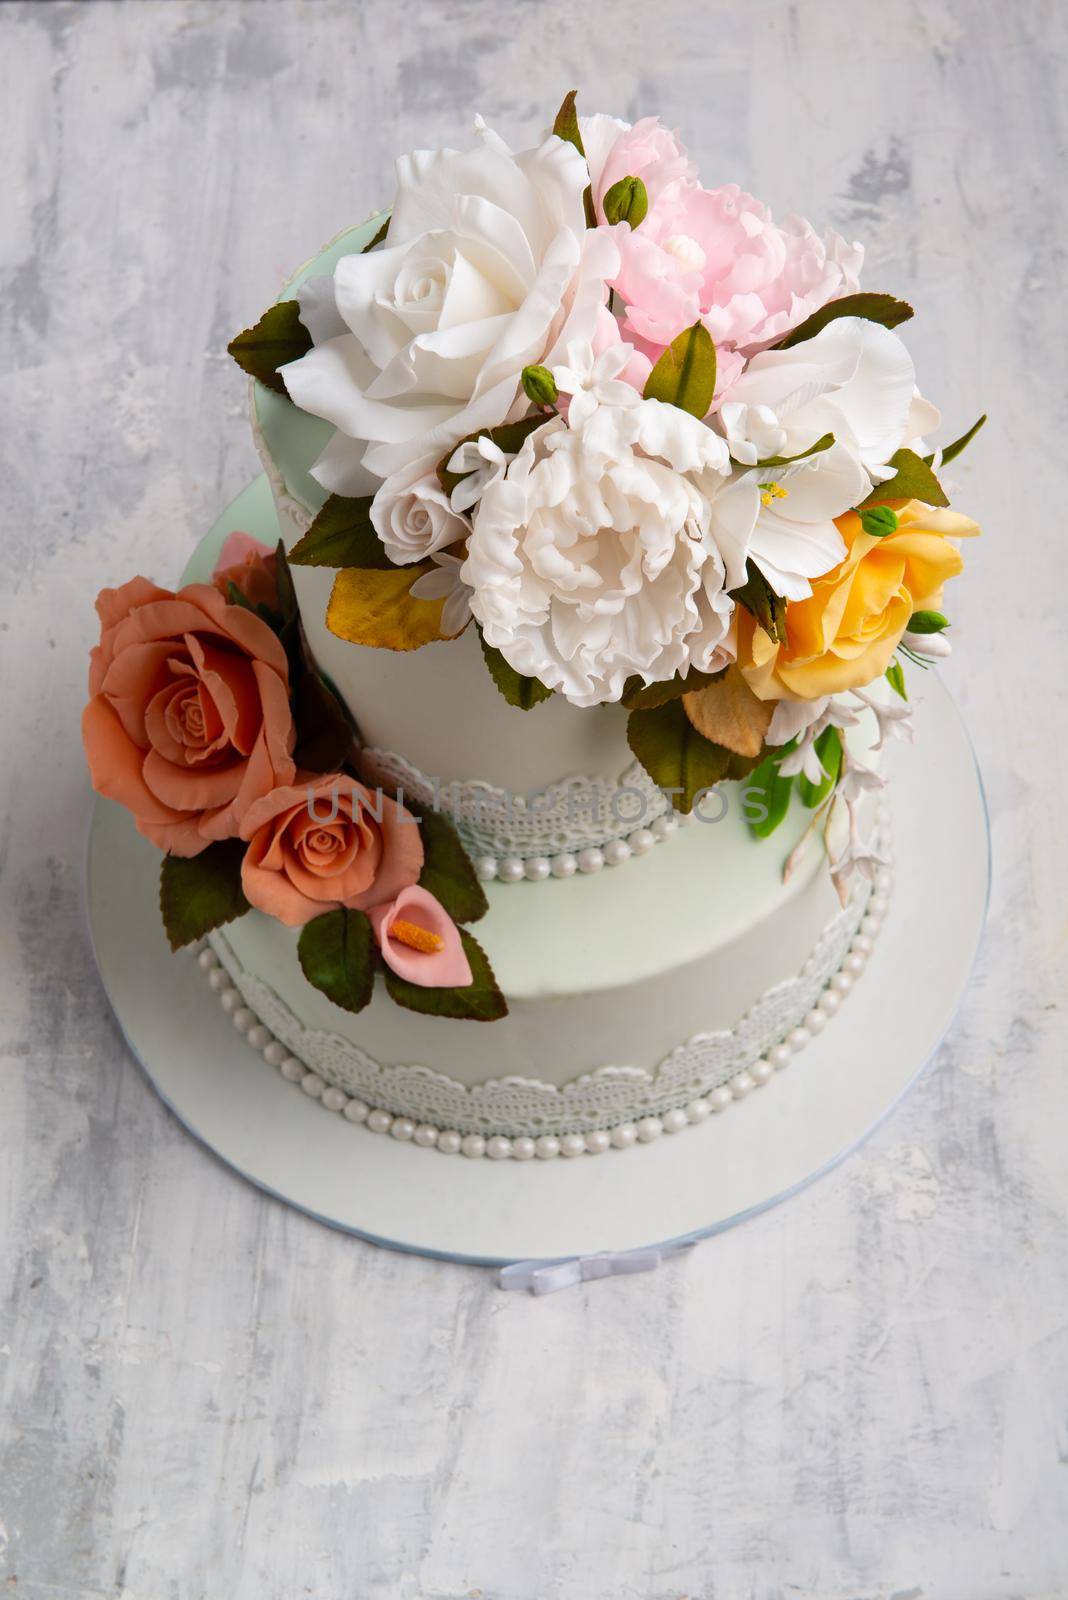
(789, 553)
(821, 488)
(329, 382)
(876, 400)
(733, 510)
(341, 470)
(318, 309)
(791, 717)
(599, 134)
(360, 282)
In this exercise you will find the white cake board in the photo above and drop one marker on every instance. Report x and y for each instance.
(695, 1183)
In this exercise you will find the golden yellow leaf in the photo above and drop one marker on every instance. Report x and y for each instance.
(728, 713)
(374, 607)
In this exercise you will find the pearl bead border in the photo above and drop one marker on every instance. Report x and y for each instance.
(590, 859)
(498, 1147)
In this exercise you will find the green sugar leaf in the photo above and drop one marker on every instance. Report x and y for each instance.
(677, 757)
(816, 449)
(342, 535)
(952, 451)
(447, 871)
(480, 1001)
(685, 374)
(912, 480)
(199, 893)
(895, 677)
(276, 339)
(882, 308)
(766, 796)
(637, 696)
(338, 954)
(517, 690)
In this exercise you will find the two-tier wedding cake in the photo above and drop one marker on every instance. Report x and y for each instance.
(525, 800)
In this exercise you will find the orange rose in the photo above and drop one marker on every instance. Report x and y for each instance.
(251, 567)
(189, 720)
(845, 633)
(324, 843)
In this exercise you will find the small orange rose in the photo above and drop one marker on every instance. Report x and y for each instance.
(251, 567)
(324, 843)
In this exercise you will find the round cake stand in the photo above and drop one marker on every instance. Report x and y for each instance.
(678, 1188)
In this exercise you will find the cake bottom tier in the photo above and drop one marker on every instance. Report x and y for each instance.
(559, 1089)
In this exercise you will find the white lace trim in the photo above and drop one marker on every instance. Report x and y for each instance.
(517, 1106)
(575, 814)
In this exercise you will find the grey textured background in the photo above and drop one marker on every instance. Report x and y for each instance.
(201, 1394)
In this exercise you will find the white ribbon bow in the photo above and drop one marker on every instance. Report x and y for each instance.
(546, 1277)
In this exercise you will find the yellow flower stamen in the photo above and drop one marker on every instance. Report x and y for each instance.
(416, 938)
(772, 491)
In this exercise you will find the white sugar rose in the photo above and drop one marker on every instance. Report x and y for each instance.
(487, 267)
(588, 562)
(412, 515)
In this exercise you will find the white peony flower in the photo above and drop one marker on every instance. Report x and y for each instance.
(589, 560)
(487, 267)
(443, 582)
(412, 516)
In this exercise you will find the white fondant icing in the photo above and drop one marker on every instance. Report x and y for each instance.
(656, 1099)
(521, 1147)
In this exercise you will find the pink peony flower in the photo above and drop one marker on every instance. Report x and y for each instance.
(648, 151)
(713, 254)
(420, 942)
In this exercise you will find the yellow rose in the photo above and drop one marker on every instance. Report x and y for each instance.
(844, 635)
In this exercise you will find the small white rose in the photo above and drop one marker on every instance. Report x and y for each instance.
(413, 518)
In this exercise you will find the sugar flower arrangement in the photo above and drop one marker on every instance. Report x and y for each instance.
(208, 721)
(657, 448)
